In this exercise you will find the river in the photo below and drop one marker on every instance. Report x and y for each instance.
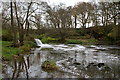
(73, 60)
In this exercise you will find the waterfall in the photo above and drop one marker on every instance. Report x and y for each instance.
(39, 43)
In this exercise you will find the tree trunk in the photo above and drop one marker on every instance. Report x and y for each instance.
(75, 21)
(27, 24)
(13, 28)
(62, 38)
(114, 21)
(27, 32)
(20, 26)
(17, 19)
(21, 35)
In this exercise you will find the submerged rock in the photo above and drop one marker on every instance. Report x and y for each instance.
(76, 63)
(70, 59)
(91, 65)
(107, 68)
(101, 65)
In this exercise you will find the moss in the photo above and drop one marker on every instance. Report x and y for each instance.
(49, 65)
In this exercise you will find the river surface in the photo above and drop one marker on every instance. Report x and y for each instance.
(73, 60)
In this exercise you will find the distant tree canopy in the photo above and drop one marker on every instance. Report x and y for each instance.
(20, 17)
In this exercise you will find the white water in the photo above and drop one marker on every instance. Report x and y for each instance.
(62, 47)
(39, 43)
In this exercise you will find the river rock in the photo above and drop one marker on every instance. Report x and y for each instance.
(100, 65)
(76, 63)
(91, 65)
(107, 68)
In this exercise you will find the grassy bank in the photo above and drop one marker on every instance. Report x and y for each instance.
(81, 41)
(8, 52)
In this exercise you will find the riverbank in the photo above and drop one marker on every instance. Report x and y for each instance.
(8, 52)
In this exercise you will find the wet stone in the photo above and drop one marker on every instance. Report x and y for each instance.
(107, 68)
(95, 64)
(76, 63)
(91, 65)
(101, 64)
(70, 59)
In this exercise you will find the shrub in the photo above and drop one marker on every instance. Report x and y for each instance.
(25, 47)
(48, 64)
(44, 40)
(114, 33)
(29, 38)
(6, 35)
(98, 32)
(30, 43)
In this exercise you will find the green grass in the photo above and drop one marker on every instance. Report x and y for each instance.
(7, 51)
(6, 43)
(48, 64)
(27, 46)
(74, 41)
(91, 40)
(81, 41)
(49, 40)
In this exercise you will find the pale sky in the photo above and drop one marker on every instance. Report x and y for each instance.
(73, 2)
(67, 2)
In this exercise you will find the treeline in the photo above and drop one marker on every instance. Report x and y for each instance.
(20, 18)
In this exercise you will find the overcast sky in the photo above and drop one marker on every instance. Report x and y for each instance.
(73, 2)
(67, 2)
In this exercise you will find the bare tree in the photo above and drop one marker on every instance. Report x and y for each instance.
(23, 30)
(12, 25)
(60, 16)
(95, 16)
(84, 10)
(75, 15)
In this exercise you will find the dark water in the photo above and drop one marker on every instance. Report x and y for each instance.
(74, 61)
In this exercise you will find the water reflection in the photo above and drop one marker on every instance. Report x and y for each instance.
(17, 66)
(77, 63)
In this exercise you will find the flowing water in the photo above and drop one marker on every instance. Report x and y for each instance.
(73, 60)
